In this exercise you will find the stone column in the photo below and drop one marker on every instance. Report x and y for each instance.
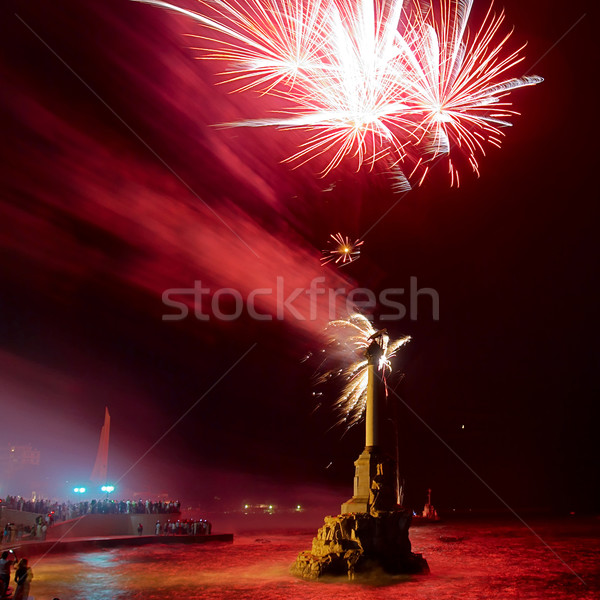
(366, 464)
(373, 354)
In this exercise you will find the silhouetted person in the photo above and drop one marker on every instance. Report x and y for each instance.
(140, 529)
(23, 577)
(5, 564)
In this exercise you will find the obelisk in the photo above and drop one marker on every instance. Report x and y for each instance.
(100, 471)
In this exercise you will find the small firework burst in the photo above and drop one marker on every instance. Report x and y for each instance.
(341, 250)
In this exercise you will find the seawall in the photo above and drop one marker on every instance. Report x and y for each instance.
(99, 525)
(18, 517)
(100, 543)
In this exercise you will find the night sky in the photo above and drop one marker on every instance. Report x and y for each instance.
(116, 185)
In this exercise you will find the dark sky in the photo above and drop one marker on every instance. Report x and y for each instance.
(117, 186)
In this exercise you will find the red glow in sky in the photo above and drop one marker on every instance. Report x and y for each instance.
(119, 187)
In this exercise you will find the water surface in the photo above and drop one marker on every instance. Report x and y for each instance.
(483, 559)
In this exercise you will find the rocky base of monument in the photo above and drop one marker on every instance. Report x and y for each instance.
(358, 543)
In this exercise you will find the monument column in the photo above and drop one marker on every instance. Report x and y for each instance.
(374, 353)
(372, 530)
(366, 464)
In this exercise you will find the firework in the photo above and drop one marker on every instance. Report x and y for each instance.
(266, 43)
(342, 250)
(348, 97)
(403, 81)
(455, 82)
(351, 337)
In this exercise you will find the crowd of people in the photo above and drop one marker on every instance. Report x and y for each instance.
(17, 532)
(50, 513)
(62, 511)
(185, 527)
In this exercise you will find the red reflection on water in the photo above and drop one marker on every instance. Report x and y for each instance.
(467, 560)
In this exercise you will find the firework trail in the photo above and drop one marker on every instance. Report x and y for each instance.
(351, 337)
(343, 251)
(404, 81)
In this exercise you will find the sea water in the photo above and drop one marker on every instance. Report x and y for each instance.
(502, 560)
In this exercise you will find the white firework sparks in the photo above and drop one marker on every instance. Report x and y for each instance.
(400, 80)
(351, 337)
